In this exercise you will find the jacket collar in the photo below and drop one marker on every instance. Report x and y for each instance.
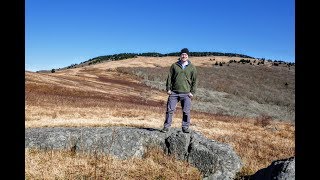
(179, 62)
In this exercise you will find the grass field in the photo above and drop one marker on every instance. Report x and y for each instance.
(249, 106)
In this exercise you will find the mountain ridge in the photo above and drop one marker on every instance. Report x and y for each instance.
(121, 56)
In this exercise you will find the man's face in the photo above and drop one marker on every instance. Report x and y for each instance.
(184, 56)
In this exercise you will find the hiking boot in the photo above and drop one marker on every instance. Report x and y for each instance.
(185, 130)
(165, 129)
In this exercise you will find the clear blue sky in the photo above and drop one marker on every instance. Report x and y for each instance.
(59, 33)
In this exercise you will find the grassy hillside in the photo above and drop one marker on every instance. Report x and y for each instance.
(249, 106)
(235, 88)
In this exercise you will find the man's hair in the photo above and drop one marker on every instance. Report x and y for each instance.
(184, 50)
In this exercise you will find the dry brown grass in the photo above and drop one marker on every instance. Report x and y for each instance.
(98, 95)
(58, 164)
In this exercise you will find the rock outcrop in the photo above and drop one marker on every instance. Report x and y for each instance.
(214, 159)
(283, 169)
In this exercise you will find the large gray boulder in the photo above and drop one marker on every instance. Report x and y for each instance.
(214, 159)
(283, 169)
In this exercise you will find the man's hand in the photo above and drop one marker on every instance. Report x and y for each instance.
(169, 92)
(190, 95)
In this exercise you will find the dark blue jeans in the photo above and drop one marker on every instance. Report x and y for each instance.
(173, 99)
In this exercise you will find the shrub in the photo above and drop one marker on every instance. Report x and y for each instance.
(263, 120)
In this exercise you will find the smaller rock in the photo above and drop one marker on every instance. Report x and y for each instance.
(283, 169)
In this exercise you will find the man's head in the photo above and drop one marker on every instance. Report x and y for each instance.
(184, 54)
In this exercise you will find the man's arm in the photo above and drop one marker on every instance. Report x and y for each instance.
(194, 81)
(168, 82)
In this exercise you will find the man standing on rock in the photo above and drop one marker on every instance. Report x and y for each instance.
(181, 86)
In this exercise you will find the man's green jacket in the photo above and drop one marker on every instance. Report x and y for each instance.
(181, 80)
